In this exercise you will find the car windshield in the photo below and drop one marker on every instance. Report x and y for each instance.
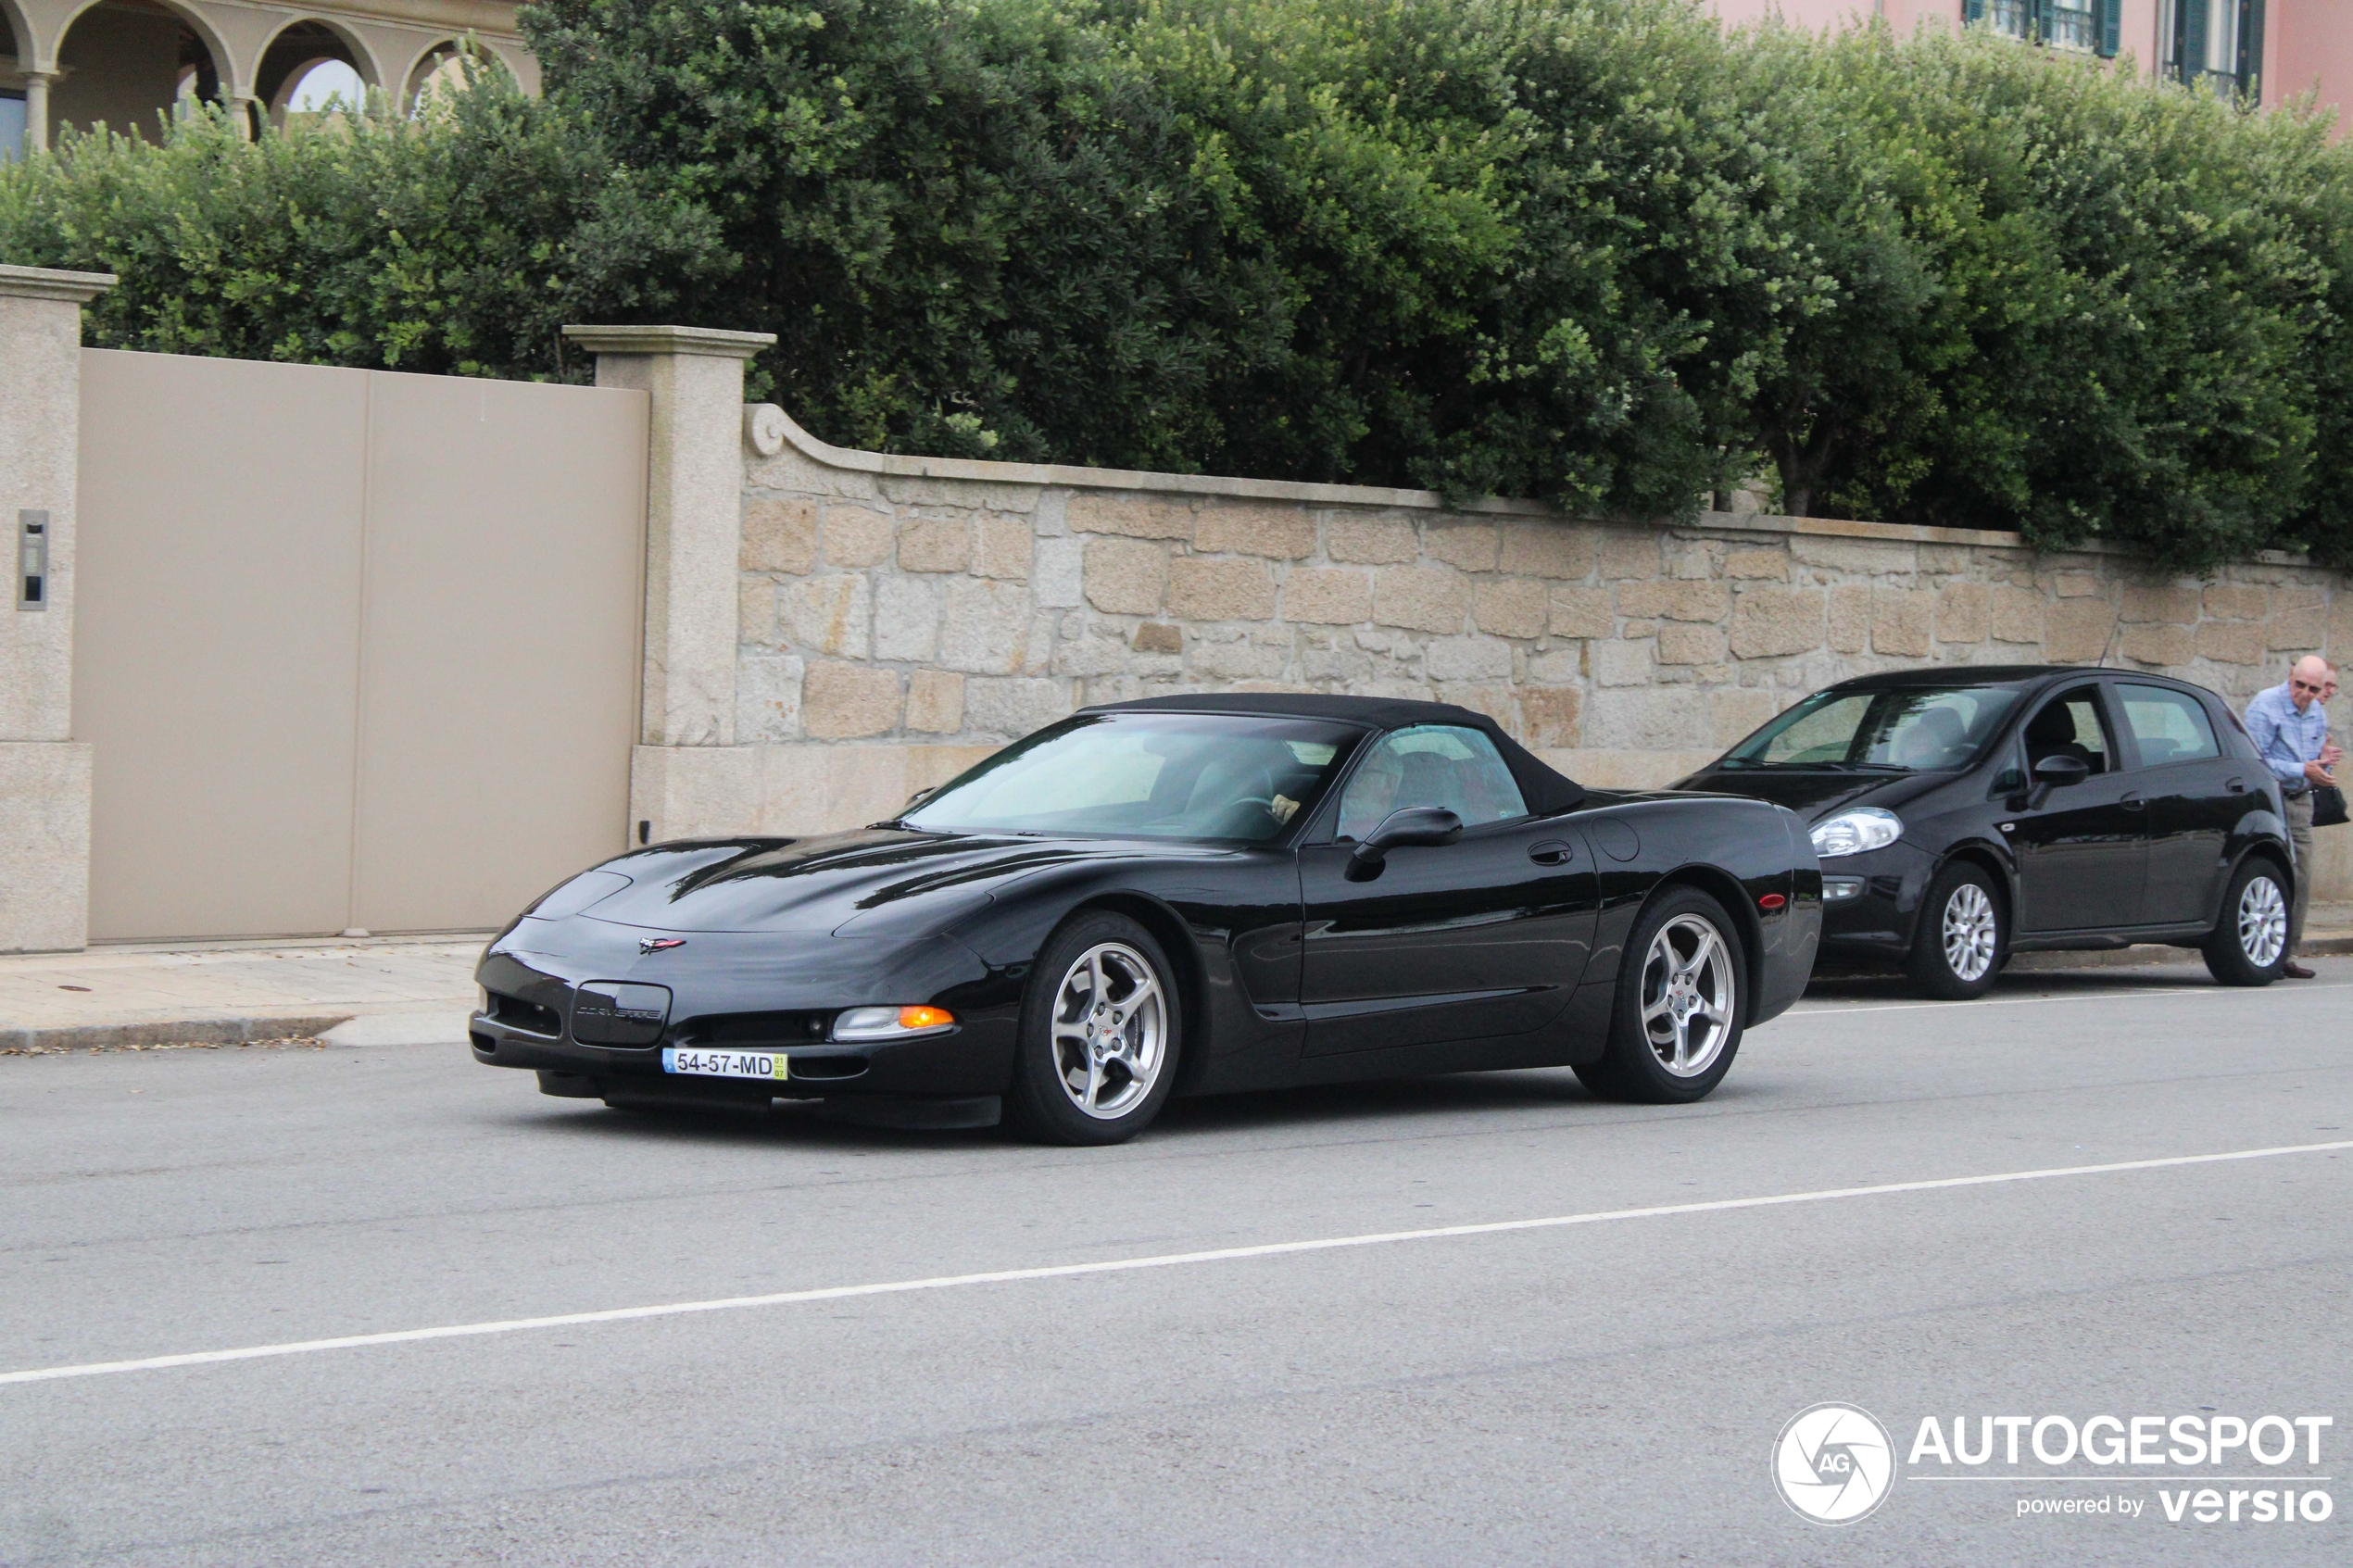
(1906, 729)
(1232, 777)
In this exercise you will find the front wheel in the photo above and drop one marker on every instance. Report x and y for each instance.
(1679, 1007)
(2249, 943)
(1959, 949)
(1099, 1035)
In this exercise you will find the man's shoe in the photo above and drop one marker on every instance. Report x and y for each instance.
(2296, 972)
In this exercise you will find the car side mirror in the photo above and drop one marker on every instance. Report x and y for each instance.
(1409, 827)
(2060, 769)
(2057, 771)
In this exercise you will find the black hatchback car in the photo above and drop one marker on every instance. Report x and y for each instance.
(1964, 814)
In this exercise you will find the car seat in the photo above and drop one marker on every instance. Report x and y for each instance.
(1428, 779)
(2052, 734)
(1936, 738)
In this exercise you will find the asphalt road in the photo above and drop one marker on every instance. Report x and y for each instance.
(1600, 1392)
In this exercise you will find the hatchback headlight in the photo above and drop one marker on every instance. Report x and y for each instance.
(1851, 833)
(892, 1024)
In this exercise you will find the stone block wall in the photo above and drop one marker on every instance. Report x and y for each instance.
(899, 618)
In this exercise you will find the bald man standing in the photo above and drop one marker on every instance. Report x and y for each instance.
(2290, 726)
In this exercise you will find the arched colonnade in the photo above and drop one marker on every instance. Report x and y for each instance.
(127, 61)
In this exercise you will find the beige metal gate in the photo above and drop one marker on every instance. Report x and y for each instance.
(355, 649)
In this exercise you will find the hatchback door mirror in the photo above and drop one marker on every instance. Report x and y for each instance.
(2060, 769)
(1409, 827)
(2056, 772)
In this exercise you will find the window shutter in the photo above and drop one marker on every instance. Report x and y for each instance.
(2195, 33)
(1972, 10)
(2112, 28)
(2250, 61)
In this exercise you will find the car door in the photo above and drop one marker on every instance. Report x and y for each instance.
(2192, 804)
(1477, 939)
(2082, 850)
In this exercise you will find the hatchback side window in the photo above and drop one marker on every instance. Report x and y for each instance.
(1431, 765)
(2168, 726)
(2070, 726)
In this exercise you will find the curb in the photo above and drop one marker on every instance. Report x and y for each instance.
(2321, 944)
(71, 1038)
(239, 1031)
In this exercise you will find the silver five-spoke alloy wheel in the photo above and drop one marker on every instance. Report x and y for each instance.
(1687, 996)
(1969, 933)
(1110, 1030)
(2262, 921)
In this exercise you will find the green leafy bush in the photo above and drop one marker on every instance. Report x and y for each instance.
(457, 243)
(1591, 251)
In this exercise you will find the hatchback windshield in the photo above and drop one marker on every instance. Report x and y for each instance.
(1149, 775)
(1909, 729)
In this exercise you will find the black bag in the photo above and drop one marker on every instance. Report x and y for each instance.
(2328, 806)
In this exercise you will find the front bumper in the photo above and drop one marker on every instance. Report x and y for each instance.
(1874, 922)
(774, 992)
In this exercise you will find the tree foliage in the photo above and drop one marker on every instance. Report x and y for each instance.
(1596, 252)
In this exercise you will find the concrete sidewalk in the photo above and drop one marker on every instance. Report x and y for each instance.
(376, 991)
(418, 990)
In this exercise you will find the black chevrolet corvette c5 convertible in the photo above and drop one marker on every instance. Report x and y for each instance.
(1966, 813)
(1181, 895)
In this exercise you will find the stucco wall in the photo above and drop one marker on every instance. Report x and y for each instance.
(898, 618)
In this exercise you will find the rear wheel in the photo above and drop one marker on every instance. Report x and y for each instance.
(1099, 1035)
(2249, 943)
(1677, 1022)
(1962, 937)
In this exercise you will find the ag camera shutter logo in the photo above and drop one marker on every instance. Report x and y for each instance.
(1833, 1463)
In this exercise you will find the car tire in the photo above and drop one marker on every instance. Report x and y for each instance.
(1103, 1016)
(1672, 979)
(1964, 935)
(2249, 942)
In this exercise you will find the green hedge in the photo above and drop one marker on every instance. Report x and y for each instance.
(1591, 251)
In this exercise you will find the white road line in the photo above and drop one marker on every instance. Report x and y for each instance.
(1122, 1265)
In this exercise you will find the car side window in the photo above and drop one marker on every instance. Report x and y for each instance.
(2168, 726)
(2068, 725)
(1431, 765)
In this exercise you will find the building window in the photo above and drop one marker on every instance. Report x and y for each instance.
(2074, 24)
(12, 124)
(2011, 19)
(2216, 44)
(2087, 25)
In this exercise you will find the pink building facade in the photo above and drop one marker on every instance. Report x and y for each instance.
(2273, 49)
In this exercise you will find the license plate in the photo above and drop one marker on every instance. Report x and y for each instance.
(726, 1064)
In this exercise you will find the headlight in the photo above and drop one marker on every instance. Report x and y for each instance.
(1851, 833)
(892, 1024)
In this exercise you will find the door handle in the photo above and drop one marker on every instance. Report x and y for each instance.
(1551, 852)
(2133, 802)
(2236, 787)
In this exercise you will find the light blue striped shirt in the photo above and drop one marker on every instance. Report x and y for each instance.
(2286, 738)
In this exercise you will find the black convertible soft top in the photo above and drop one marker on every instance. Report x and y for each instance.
(1546, 790)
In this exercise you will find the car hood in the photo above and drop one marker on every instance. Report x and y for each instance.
(1815, 794)
(877, 879)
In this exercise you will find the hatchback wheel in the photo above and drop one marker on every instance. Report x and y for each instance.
(2249, 943)
(1962, 936)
